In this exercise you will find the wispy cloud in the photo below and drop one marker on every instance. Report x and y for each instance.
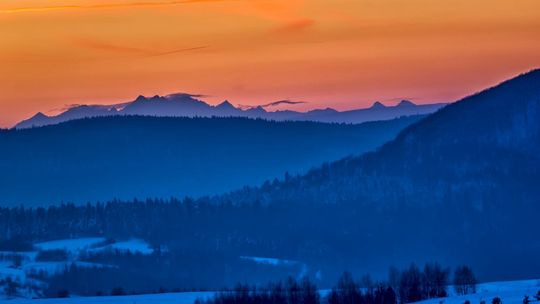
(398, 99)
(31, 9)
(296, 25)
(182, 94)
(273, 104)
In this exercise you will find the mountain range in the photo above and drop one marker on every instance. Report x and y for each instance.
(186, 105)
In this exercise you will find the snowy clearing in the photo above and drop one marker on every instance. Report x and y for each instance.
(28, 262)
(70, 245)
(133, 245)
(164, 298)
(510, 292)
(269, 261)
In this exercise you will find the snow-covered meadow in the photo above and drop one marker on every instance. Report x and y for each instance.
(163, 298)
(28, 262)
(510, 292)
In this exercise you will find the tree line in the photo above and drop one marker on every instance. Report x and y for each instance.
(326, 237)
(402, 286)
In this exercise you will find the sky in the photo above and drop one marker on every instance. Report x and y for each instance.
(330, 53)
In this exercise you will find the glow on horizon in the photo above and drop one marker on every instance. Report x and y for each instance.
(341, 53)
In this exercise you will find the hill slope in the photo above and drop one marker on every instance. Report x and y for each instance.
(485, 141)
(460, 186)
(127, 157)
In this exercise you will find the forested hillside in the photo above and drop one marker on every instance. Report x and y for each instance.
(132, 156)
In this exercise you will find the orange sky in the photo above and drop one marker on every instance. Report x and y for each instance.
(338, 53)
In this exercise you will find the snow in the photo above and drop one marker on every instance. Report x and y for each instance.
(71, 245)
(56, 267)
(30, 255)
(510, 292)
(74, 247)
(7, 271)
(92, 244)
(133, 245)
(163, 298)
(269, 261)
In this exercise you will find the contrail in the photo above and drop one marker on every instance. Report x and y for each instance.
(178, 51)
(95, 44)
(100, 6)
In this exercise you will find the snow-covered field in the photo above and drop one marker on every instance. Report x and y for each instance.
(268, 261)
(510, 292)
(133, 245)
(70, 245)
(94, 244)
(73, 248)
(164, 298)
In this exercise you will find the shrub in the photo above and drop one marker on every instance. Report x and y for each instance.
(55, 255)
(464, 280)
(118, 291)
(64, 293)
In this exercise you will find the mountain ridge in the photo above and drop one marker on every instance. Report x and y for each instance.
(187, 105)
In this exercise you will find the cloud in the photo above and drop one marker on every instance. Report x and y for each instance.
(101, 6)
(296, 25)
(277, 103)
(104, 46)
(181, 94)
(398, 99)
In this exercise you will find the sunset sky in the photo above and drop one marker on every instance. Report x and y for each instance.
(332, 53)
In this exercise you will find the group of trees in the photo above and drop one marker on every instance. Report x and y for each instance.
(464, 280)
(405, 286)
(414, 284)
(102, 271)
(204, 240)
(291, 291)
(10, 287)
(53, 255)
(347, 291)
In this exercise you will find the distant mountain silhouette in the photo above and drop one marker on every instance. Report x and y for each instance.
(186, 105)
(134, 156)
(460, 185)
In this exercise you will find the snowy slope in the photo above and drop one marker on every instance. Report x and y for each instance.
(73, 247)
(164, 298)
(70, 245)
(510, 292)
